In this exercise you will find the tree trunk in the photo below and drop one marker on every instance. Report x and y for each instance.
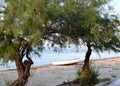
(87, 57)
(23, 69)
(86, 73)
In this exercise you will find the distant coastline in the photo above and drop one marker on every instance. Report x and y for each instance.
(47, 57)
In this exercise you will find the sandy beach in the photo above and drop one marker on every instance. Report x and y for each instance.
(109, 69)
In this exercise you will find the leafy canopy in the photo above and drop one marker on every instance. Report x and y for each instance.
(61, 22)
(88, 21)
(21, 26)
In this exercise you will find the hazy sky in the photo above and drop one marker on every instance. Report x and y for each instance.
(116, 5)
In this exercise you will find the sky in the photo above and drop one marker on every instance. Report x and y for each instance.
(116, 6)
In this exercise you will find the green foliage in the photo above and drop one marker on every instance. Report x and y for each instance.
(106, 79)
(8, 82)
(89, 80)
(19, 28)
(87, 23)
(28, 23)
(59, 22)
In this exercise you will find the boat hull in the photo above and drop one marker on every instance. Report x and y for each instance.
(66, 62)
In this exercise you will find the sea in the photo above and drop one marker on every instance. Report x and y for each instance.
(48, 56)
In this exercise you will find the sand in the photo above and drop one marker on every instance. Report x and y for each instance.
(109, 70)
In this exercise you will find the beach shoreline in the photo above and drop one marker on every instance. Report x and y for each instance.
(109, 68)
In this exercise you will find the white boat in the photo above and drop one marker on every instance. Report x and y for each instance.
(66, 62)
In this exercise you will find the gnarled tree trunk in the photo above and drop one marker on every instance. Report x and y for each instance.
(23, 69)
(86, 73)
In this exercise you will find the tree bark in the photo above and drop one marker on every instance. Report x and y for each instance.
(87, 56)
(23, 69)
(86, 73)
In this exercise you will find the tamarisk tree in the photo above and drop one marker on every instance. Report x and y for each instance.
(26, 24)
(24, 27)
(21, 34)
(88, 23)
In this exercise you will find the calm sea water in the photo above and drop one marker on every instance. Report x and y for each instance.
(48, 56)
